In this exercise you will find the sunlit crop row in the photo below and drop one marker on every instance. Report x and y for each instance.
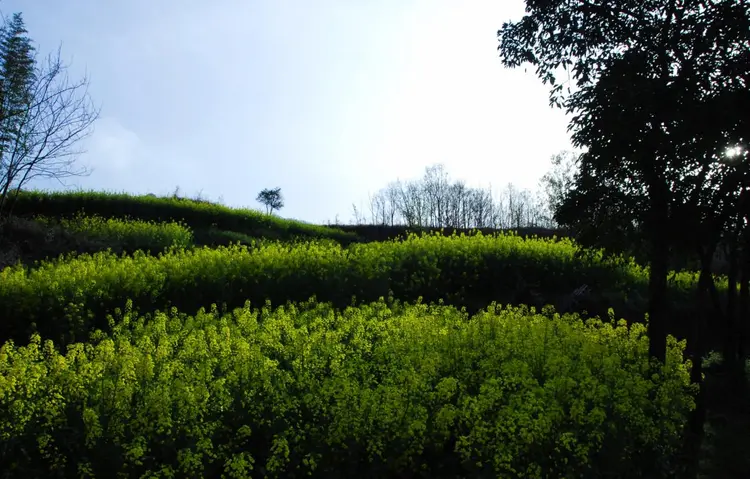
(395, 390)
(64, 299)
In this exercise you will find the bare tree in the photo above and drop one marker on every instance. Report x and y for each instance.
(393, 200)
(455, 203)
(414, 208)
(438, 202)
(436, 190)
(559, 180)
(480, 208)
(43, 116)
(511, 196)
(377, 208)
(359, 218)
(494, 209)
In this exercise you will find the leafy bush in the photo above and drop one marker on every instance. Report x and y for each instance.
(63, 299)
(376, 391)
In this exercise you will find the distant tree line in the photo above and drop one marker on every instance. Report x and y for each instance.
(437, 201)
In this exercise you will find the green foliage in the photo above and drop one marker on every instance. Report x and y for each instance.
(64, 299)
(271, 199)
(17, 76)
(198, 215)
(128, 234)
(656, 92)
(369, 233)
(384, 390)
(17, 72)
(217, 237)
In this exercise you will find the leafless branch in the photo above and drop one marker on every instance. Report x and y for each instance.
(43, 142)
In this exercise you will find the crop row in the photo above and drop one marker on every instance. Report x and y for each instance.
(65, 299)
(380, 390)
(127, 234)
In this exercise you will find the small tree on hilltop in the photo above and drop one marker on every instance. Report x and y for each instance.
(272, 199)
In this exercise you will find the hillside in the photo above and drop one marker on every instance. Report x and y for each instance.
(48, 224)
(457, 329)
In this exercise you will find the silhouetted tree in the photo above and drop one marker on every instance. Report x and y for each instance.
(640, 69)
(42, 115)
(271, 199)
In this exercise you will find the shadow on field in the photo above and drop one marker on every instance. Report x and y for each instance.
(725, 452)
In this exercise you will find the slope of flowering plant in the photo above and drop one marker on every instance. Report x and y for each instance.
(129, 234)
(380, 390)
(64, 299)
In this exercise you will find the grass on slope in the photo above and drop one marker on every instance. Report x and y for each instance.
(131, 235)
(201, 216)
(30, 240)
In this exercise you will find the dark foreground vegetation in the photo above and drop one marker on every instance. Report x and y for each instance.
(167, 337)
(378, 390)
(404, 363)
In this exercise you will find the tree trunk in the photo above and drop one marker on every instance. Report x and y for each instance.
(657, 308)
(659, 264)
(694, 429)
(743, 319)
(730, 334)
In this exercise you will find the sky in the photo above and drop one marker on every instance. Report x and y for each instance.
(330, 100)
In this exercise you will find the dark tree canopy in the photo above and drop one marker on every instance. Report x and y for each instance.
(271, 199)
(17, 71)
(657, 91)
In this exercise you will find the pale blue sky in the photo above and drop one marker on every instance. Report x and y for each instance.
(330, 100)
